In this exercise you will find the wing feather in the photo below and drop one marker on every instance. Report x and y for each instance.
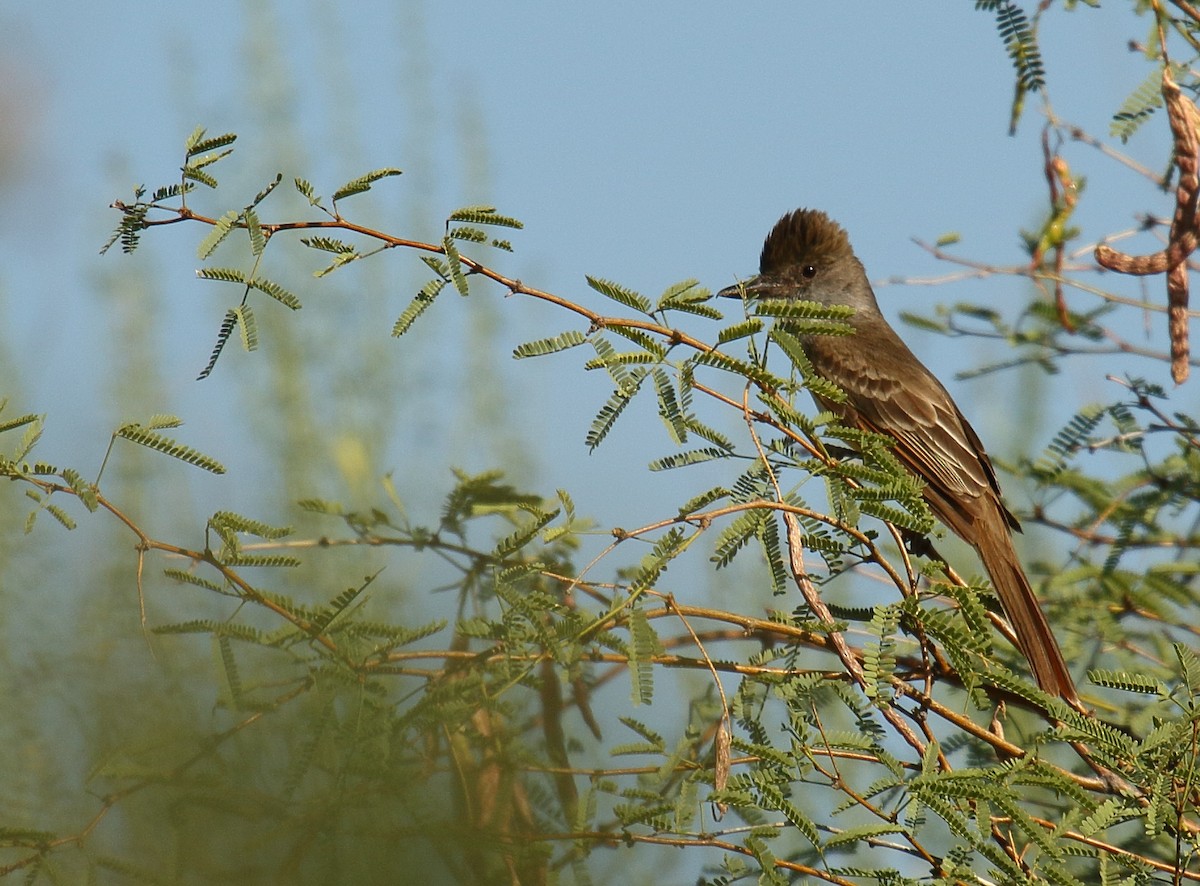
(933, 439)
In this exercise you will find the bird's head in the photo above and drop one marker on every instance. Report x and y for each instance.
(807, 255)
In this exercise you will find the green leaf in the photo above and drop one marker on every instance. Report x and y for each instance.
(615, 363)
(543, 346)
(321, 506)
(83, 490)
(654, 739)
(484, 215)
(799, 359)
(897, 517)
(771, 875)
(879, 658)
(220, 230)
(238, 523)
(454, 262)
(328, 244)
(927, 323)
(619, 293)
(228, 324)
(687, 295)
(1021, 43)
(739, 330)
(306, 188)
(342, 258)
(610, 412)
(200, 162)
(60, 515)
(265, 192)
(227, 667)
(420, 303)
(276, 292)
(258, 242)
(523, 535)
(735, 536)
(185, 577)
(21, 421)
(193, 174)
(862, 834)
(638, 337)
(801, 309)
(666, 549)
(347, 601)
(223, 275)
(749, 371)
(682, 459)
(1189, 663)
(668, 407)
(1139, 106)
(198, 144)
(469, 234)
(363, 182)
(136, 433)
(643, 646)
(768, 537)
(167, 192)
(712, 435)
(33, 433)
(698, 308)
(703, 500)
(269, 560)
(162, 420)
(438, 266)
(1105, 815)
(1127, 681)
(1073, 437)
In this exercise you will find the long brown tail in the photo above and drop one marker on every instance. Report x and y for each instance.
(1021, 606)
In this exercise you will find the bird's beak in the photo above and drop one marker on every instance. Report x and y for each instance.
(755, 287)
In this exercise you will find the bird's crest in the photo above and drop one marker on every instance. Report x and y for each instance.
(803, 237)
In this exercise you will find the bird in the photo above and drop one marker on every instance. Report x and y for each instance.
(889, 391)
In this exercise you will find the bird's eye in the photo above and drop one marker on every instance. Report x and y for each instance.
(809, 271)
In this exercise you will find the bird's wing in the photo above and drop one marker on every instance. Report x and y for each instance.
(932, 438)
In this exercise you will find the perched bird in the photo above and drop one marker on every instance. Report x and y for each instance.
(888, 391)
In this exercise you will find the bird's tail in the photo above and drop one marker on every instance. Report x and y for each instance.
(1034, 636)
